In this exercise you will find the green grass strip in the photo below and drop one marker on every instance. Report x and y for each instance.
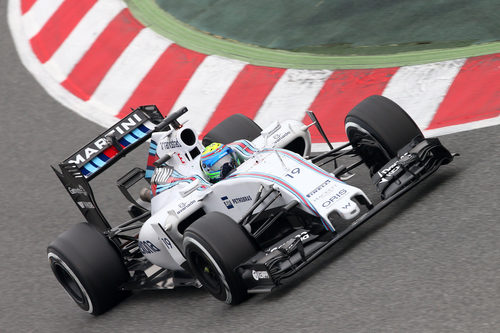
(155, 18)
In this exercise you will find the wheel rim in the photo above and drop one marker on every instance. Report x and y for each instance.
(207, 273)
(70, 282)
(67, 281)
(371, 150)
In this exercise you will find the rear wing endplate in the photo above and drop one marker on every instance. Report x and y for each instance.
(76, 171)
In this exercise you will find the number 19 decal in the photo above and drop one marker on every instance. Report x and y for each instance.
(295, 171)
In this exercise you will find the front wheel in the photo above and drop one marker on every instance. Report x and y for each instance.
(88, 267)
(378, 128)
(215, 246)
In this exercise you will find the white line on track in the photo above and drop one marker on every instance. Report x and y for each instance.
(82, 38)
(292, 95)
(207, 87)
(127, 73)
(41, 11)
(419, 90)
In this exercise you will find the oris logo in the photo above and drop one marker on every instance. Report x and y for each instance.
(334, 198)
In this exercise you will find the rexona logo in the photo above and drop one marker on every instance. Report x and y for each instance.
(170, 144)
(231, 202)
(102, 142)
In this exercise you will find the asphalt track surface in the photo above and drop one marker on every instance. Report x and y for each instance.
(428, 263)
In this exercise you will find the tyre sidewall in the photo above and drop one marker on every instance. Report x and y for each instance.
(386, 121)
(383, 123)
(58, 261)
(194, 243)
(90, 257)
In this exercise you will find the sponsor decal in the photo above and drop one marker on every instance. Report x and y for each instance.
(167, 242)
(78, 190)
(234, 201)
(346, 206)
(280, 136)
(85, 204)
(274, 130)
(147, 247)
(393, 168)
(334, 198)
(303, 236)
(259, 275)
(325, 192)
(183, 206)
(103, 142)
(318, 188)
(170, 144)
(241, 199)
(227, 202)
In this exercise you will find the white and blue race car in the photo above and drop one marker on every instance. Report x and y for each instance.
(270, 216)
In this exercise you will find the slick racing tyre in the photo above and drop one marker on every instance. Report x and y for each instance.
(89, 268)
(214, 246)
(377, 127)
(233, 128)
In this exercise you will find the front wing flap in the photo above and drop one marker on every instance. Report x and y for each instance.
(414, 160)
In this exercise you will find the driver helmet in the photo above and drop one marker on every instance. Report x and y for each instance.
(217, 161)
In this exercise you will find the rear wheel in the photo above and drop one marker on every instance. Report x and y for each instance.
(235, 127)
(88, 267)
(378, 127)
(215, 246)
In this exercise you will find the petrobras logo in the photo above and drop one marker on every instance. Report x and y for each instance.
(234, 201)
(241, 199)
(260, 275)
(227, 202)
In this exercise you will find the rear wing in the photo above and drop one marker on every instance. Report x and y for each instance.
(76, 171)
(114, 143)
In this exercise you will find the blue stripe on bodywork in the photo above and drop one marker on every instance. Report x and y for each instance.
(138, 133)
(130, 138)
(98, 161)
(91, 167)
(84, 171)
(124, 142)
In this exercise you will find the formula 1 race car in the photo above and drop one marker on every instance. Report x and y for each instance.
(272, 214)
